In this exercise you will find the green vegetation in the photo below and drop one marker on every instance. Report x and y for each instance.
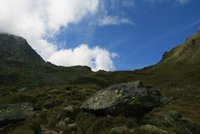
(60, 92)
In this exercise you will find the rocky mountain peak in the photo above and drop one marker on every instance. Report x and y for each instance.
(16, 49)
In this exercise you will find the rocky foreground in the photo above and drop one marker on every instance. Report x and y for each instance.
(126, 108)
(129, 99)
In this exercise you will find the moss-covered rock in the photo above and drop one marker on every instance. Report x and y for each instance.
(11, 113)
(132, 99)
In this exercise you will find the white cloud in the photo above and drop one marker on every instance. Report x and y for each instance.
(113, 20)
(40, 20)
(96, 57)
(111, 12)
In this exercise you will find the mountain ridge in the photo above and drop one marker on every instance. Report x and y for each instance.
(17, 56)
(181, 61)
(185, 51)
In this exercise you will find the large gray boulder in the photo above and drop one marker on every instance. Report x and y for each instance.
(130, 99)
(11, 113)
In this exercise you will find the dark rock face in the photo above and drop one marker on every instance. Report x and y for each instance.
(15, 49)
(21, 64)
(130, 99)
(17, 58)
(11, 113)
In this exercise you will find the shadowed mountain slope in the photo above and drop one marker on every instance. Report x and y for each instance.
(18, 59)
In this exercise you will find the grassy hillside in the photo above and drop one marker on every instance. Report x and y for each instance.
(57, 97)
(180, 67)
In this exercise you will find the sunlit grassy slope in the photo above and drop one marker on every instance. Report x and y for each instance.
(178, 67)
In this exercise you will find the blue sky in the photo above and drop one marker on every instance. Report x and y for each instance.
(102, 34)
(158, 27)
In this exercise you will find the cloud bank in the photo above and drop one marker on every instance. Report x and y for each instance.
(41, 20)
(96, 57)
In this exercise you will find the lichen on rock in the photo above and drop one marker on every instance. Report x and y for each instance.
(130, 98)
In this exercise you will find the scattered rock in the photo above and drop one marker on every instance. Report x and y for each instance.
(151, 129)
(186, 119)
(172, 98)
(172, 116)
(175, 115)
(66, 120)
(73, 125)
(132, 99)
(125, 86)
(51, 102)
(164, 100)
(68, 109)
(59, 116)
(11, 113)
(71, 91)
(119, 130)
(55, 91)
(67, 112)
(48, 131)
(22, 89)
(182, 130)
(49, 96)
(174, 122)
(61, 125)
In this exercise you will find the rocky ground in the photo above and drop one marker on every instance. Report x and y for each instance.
(128, 108)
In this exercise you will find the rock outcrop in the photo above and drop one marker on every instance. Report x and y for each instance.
(130, 99)
(12, 113)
